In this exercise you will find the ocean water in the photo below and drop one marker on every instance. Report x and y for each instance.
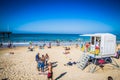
(46, 37)
(43, 37)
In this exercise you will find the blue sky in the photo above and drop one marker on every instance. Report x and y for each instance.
(60, 16)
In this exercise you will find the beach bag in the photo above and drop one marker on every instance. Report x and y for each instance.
(69, 63)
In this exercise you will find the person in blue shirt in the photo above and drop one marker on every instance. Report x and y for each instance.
(37, 57)
(38, 60)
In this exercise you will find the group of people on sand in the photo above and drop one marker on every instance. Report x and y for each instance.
(42, 64)
(91, 47)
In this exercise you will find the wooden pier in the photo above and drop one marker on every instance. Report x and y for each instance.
(5, 34)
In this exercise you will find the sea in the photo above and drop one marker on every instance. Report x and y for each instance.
(38, 38)
(42, 37)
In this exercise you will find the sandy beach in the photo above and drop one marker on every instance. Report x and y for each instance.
(22, 65)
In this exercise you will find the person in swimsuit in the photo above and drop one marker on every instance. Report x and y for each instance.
(46, 59)
(42, 63)
(39, 64)
(50, 72)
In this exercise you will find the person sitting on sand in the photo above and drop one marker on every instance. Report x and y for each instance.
(50, 72)
(67, 48)
(46, 59)
(11, 52)
(31, 48)
(67, 52)
(42, 63)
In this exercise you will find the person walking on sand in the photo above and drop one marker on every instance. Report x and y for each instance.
(50, 72)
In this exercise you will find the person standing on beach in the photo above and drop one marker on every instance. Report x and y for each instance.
(39, 64)
(37, 57)
(50, 72)
(46, 59)
(42, 63)
(118, 53)
(1, 44)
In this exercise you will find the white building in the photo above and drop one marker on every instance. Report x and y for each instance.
(106, 43)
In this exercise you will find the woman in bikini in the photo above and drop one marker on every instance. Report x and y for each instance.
(50, 72)
(46, 59)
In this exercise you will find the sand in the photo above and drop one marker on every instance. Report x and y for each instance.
(22, 65)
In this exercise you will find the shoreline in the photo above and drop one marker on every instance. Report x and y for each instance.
(64, 43)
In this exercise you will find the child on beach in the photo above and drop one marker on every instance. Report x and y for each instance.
(50, 72)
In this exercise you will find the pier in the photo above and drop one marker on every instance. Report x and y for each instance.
(5, 34)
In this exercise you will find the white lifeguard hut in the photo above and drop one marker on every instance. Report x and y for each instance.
(105, 42)
(101, 45)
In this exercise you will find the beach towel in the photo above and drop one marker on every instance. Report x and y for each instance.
(101, 61)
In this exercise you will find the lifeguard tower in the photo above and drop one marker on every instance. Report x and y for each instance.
(101, 46)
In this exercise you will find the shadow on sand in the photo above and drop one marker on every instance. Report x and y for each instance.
(1, 68)
(61, 75)
(5, 79)
(54, 64)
